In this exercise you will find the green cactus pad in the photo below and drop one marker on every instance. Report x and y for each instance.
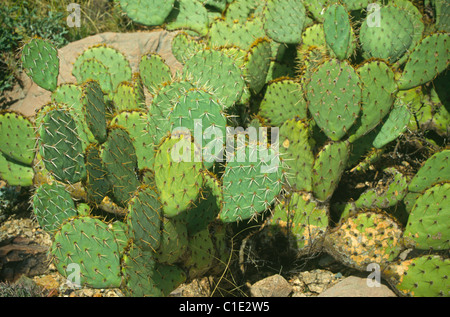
(177, 174)
(87, 246)
(92, 69)
(251, 181)
(202, 115)
(442, 9)
(219, 73)
(69, 96)
(120, 235)
(338, 31)
(387, 36)
(394, 126)
(96, 183)
(114, 61)
(423, 276)
(241, 10)
(316, 7)
(434, 170)
(314, 35)
(40, 61)
(129, 95)
(334, 95)
(296, 153)
(138, 269)
(356, 4)
(429, 58)
(17, 137)
(428, 226)
(256, 64)
(190, 15)
(60, 146)
(119, 158)
(158, 126)
(151, 13)
(136, 124)
(184, 46)
(15, 174)
(174, 241)
(305, 219)
(386, 195)
(415, 16)
(52, 206)
(144, 219)
(163, 102)
(207, 207)
(378, 95)
(226, 33)
(202, 254)
(328, 168)
(94, 110)
(154, 71)
(283, 100)
(365, 238)
(168, 277)
(284, 20)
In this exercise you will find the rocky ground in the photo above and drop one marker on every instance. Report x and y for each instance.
(24, 259)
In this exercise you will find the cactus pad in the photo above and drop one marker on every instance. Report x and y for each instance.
(367, 237)
(334, 95)
(144, 219)
(424, 276)
(177, 174)
(17, 139)
(428, 226)
(89, 245)
(284, 20)
(40, 61)
(52, 206)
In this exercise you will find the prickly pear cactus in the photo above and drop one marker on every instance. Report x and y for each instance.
(292, 116)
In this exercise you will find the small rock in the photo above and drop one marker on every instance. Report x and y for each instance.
(197, 288)
(354, 286)
(272, 286)
(47, 281)
(312, 283)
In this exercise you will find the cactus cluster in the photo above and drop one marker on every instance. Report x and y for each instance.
(336, 83)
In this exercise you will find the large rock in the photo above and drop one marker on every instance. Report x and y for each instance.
(21, 256)
(354, 286)
(30, 97)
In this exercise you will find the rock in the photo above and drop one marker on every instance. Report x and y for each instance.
(197, 288)
(272, 286)
(49, 282)
(30, 97)
(21, 256)
(354, 286)
(312, 283)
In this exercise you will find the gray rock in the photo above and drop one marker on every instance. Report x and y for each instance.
(272, 286)
(354, 286)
